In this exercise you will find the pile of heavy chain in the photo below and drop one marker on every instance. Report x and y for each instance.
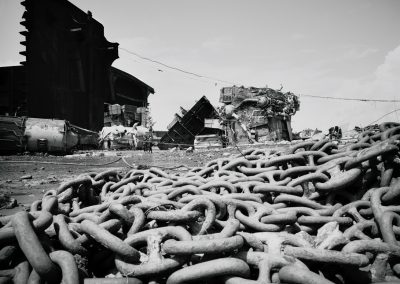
(318, 214)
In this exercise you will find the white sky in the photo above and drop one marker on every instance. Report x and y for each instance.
(339, 48)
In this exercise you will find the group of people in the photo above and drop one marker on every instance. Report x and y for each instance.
(335, 132)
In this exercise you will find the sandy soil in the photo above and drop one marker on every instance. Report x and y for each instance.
(27, 177)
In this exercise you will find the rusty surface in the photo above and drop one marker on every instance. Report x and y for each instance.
(346, 232)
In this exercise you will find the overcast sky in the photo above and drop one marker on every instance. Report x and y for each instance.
(346, 48)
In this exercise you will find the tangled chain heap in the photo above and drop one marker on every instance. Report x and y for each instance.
(317, 214)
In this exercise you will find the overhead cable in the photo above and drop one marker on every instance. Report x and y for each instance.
(384, 116)
(351, 99)
(232, 83)
(174, 68)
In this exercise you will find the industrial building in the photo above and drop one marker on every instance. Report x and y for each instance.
(67, 73)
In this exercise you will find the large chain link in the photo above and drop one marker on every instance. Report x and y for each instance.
(316, 214)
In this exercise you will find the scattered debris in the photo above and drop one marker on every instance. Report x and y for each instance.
(6, 202)
(26, 177)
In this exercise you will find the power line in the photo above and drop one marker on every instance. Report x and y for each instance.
(384, 116)
(351, 99)
(174, 68)
(232, 83)
(152, 68)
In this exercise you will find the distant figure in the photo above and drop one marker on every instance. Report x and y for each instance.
(132, 140)
(145, 144)
(148, 144)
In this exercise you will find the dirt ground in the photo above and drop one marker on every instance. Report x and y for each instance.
(26, 177)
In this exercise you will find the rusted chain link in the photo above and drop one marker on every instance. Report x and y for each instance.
(319, 213)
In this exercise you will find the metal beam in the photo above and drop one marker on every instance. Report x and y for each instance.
(129, 98)
(180, 123)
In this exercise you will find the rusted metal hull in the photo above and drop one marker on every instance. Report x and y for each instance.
(183, 130)
(12, 134)
(49, 135)
(18, 134)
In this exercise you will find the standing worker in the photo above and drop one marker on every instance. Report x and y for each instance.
(150, 144)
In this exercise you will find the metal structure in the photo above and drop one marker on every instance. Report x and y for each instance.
(13, 90)
(18, 134)
(68, 62)
(264, 111)
(127, 89)
(12, 134)
(49, 135)
(182, 130)
(67, 73)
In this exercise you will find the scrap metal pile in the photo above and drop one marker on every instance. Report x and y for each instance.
(266, 111)
(317, 214)
(273, 103)
(270, 101)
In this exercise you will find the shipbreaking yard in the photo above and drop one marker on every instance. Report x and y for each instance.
(277, 212)
(26, 177)
(244, 185)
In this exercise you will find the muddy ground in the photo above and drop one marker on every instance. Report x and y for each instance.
(26, 177)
